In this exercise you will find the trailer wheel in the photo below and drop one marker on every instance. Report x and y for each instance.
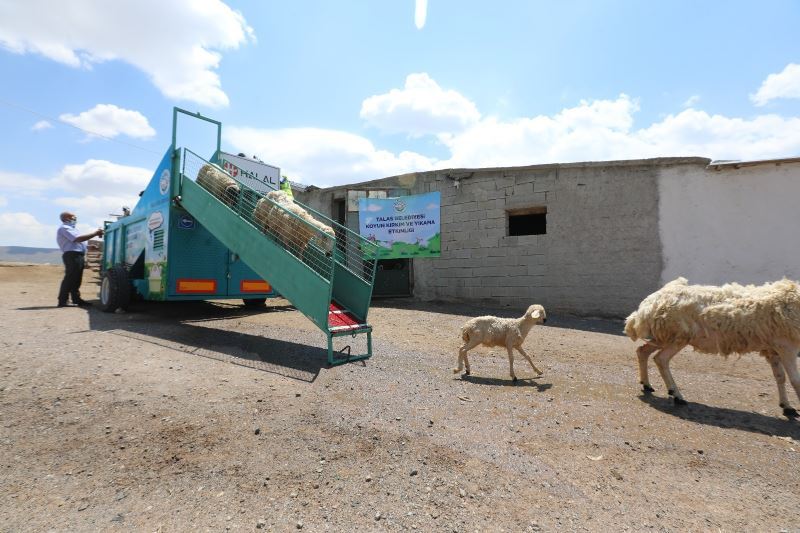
(254, 302)
(115, 289)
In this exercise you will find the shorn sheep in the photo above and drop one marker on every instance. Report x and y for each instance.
(494, 331)
(720, 320)
(212, 178)
(276, 220)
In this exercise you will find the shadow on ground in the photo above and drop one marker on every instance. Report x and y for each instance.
(189, 327)
(725, 418)
(599, 325)
(521, 382)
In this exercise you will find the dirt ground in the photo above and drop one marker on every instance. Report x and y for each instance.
(209, 417)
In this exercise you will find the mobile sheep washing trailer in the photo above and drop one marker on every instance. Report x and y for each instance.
(191, 239)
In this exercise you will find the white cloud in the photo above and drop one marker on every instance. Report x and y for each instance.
(109, 120)
(693, 132)
(41, 125)
(103, 178)
(589, 131)
(603, 130)
(323, 157)
(176, 44)
(93, 178)
(692, 101)
(28, 231)
(595, 130)
(785, 84)
(420, 13)
(422, 107)
(22, 183)
(93, 190)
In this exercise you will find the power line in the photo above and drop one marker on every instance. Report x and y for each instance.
(41, 115)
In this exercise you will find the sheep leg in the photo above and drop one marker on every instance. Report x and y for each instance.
(780, 379)
(643, 353)
(519, 348)
(511, 362)
(463, 360)
(460, 363)
(788, 356)
(662, 359)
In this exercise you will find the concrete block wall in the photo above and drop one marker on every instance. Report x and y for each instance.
(600, 256)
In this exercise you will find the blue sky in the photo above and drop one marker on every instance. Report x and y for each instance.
(339, 92)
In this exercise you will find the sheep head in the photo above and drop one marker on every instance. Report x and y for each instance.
(536, 313)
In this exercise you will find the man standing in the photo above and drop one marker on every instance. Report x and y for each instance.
(73, 248)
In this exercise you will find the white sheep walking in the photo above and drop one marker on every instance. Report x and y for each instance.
(494, 331)
(720, 320)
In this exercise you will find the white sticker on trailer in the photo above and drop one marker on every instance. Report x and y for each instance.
(258, 170)
(155, 220)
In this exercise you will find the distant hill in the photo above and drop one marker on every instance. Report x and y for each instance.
(24, 254)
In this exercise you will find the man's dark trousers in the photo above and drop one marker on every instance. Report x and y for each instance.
(73, 275)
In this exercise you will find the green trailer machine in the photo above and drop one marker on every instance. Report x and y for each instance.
(186, 240)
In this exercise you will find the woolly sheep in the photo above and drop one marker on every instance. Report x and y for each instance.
(494, 331)
(720, 320)
(275, 218)
(215, 180)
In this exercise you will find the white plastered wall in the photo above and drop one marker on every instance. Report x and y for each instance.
(738, 225)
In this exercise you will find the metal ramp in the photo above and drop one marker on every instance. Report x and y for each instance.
(328, 279)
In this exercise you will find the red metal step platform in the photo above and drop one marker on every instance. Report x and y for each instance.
(340, 319)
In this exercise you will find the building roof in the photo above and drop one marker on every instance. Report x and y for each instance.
(721, 165)
(460, 173)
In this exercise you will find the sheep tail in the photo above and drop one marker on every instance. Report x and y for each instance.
(465, 335)
(634, 326)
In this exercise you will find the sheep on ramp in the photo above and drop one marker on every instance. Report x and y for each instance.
(216, 181)
(273, 214)
(720, 320)
(494, 331)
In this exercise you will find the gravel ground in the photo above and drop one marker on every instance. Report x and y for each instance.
(209, 417)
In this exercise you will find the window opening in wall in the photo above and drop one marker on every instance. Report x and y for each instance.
(527, 221)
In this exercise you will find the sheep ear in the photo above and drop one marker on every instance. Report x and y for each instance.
(536, 314)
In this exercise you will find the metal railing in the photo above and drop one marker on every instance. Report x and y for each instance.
(353, 251)
(304, 238)
(299, 237)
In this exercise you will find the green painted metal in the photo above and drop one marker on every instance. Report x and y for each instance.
(353, 280)
(305, 288)
(310, 287)
(175, 178)
(349, 358)
(195, 254)
(351, 292)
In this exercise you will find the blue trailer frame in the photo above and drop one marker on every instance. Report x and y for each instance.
(165, 254)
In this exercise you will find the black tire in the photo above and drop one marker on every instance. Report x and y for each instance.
(253, 303)
(115, 289)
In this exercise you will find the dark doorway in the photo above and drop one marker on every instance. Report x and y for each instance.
(393, 278)
(340, 216)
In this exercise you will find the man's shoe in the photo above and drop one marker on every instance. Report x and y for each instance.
(83, 303)
(63, 304)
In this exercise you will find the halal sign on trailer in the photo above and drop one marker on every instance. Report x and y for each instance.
(406, 226)
(251, 168)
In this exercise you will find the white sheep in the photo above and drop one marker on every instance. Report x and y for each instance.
(720, 320)
(272, 214)
(494, 331)
(215, 180)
